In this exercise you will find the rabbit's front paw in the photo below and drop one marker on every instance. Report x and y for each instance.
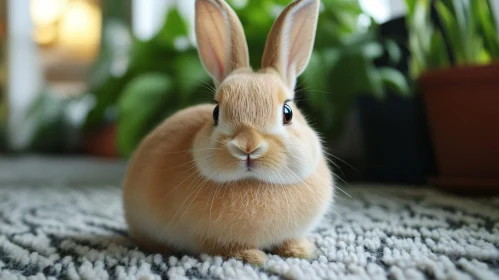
(296, 248)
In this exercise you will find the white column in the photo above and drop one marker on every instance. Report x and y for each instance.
(148, 16)
(495, 6)
(378, 9)
(24, 72)
(397, 8)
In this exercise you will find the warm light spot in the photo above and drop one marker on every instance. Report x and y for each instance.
(45, 12)
(80, 29)
(45, 34)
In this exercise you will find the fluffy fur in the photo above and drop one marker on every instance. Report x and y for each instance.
(189, 185)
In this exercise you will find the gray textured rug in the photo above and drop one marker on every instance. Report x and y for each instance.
(62, 219)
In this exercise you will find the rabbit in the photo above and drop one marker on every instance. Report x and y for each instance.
(246, 175)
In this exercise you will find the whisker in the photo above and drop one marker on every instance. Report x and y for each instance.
(326, 154)
(190, 150)
(195, 188)
(217, 186)
(346, 163)
(334, 185)
(223, 199)
(200, 187)
(316, 194)
(284, 191)
(212, 201)
(194, 160)
(185, 179)
(202, 83)
(343, 191)
(194, 167)
(302, 181)
(213, 139)
(305, 78)
(344, 219)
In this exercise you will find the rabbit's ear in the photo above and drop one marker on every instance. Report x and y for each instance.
(220, 38)
(291, 40)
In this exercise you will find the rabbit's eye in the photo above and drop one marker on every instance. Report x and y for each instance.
(287, 114)
(215, 115)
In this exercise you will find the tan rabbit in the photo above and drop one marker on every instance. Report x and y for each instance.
(242, 175)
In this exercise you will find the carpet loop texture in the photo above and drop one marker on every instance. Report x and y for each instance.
(78, 232)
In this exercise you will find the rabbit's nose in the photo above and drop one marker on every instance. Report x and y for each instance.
(247, 150)
(247, 144)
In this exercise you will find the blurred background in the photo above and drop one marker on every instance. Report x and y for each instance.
(403, 91)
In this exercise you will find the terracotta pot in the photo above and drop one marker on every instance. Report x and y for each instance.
(462, 105)
(102, 143)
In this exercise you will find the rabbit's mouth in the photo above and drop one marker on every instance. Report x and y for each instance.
(249, 163)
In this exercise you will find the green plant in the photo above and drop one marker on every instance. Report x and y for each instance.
(159, 79)
(56, 126)
(338, 19)
(337, 75)
(468, 27)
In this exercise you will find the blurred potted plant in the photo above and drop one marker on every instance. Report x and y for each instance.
(56, 120)
(144, 83)
(343, 67)
(457, 72)
(345, 74)
(396, 142)
(99, 131)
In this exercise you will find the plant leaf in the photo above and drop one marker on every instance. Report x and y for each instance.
(487, 26)
(437, 54)
(140, 102)
(393, 50)
(175, 27)
(193, 83)
(373, 50)
(394, 80)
